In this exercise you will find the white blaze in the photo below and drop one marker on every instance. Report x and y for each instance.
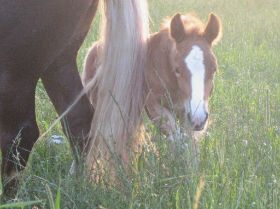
(195, 64)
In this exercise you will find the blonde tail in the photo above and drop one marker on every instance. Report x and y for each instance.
(121, 79)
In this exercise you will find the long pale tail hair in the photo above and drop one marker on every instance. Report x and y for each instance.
(121, 76)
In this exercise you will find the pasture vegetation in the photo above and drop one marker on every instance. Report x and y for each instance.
(240, 154)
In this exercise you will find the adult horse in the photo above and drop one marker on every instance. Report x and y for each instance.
(40, 39)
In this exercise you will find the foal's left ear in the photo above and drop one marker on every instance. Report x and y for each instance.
(213, 29)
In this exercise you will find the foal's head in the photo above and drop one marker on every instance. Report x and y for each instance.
(194, 64)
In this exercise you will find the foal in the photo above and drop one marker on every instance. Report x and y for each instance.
(179, 73)
(178, 77)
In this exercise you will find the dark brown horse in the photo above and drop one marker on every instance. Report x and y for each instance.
(40, 39)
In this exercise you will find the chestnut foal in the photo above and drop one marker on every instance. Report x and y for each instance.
(179, 72)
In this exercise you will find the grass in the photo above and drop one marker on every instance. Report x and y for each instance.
(240, 154)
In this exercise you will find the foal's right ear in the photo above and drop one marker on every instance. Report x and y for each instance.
(177, 30)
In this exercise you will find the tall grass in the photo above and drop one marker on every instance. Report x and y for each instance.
(239, 165)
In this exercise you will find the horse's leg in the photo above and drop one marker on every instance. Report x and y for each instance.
(18, 128)
(162, 117)
(63, 85)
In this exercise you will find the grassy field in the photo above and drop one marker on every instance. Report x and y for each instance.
(240, 154)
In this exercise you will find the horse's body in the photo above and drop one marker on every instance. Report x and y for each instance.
(171, 92)
(40, 39)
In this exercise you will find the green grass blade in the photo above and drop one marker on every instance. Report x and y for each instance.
(58, 199)
(50, 197)
(20, 204)
(177, 198)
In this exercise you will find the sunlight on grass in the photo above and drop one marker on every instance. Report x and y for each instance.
(239, 156)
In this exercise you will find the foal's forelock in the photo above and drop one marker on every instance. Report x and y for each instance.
(196, 104)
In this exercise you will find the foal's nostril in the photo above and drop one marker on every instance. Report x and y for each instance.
(198, 127)
(206, 118)
(189, 117)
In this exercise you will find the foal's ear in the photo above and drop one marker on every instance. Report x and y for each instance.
(213, 29)
(177, 30)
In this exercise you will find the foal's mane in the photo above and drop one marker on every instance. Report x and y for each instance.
(192, 24)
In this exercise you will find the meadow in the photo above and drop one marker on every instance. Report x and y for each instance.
(239, 162)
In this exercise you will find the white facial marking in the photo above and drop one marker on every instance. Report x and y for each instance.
(195, 64)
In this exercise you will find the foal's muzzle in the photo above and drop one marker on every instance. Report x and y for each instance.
(198, 122)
